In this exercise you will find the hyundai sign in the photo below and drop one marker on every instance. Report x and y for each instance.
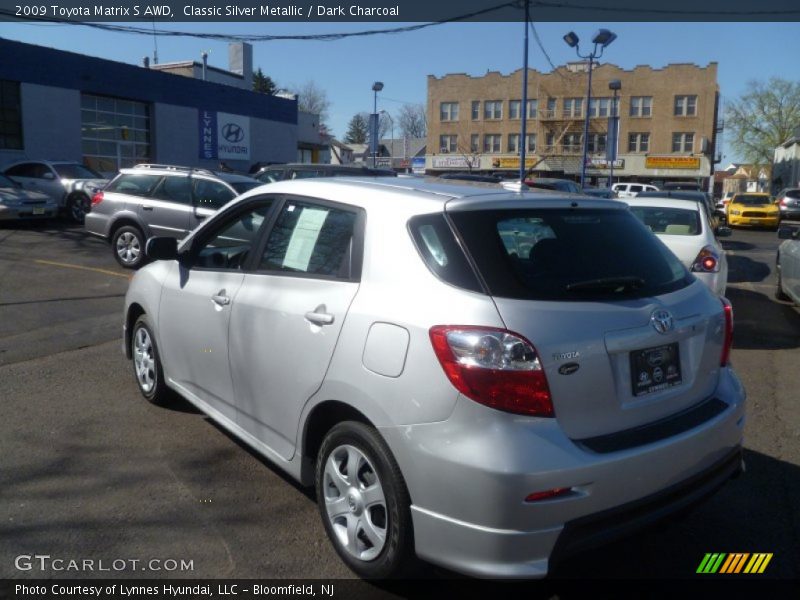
(224, 136)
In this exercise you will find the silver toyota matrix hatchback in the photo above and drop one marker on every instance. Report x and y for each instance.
(481, 378)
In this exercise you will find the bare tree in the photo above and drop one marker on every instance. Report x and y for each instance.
(313, 99)
(412, 121)
(763, 118)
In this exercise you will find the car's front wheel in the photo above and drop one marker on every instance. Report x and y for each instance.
(127, 244)
(364, 502)
(147, 363)
(77, 207)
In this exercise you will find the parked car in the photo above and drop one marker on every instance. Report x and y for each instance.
(471, 177)
(550, 183)
(788, 200)
(274, 173)
(788, 264)
(487, 406)
(703, 197)
(687, 228)
(721, 207)
(686, 186)
(19, 203)
(158, 200)
(70, 184)
(599, 192)
(753, 209)
(629, 190)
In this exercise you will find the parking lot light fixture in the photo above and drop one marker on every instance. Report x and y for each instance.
(376, 87)
(601, 40)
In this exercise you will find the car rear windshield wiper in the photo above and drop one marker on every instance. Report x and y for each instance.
(609, 284)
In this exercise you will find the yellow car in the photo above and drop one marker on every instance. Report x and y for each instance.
(753, 209)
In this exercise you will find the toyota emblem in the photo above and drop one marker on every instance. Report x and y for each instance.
(661, 320)
(232, 132)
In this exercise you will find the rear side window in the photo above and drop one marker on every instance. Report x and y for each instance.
(669, 221)
(174, 189)
(793, 194)
(211, 194)
(441, 253)
(135, 185)
(593, 254)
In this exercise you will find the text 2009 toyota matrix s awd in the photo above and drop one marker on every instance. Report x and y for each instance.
(486, 379)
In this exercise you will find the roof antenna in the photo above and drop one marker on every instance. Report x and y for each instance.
(155, 43)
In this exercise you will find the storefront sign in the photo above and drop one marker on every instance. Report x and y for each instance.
(602, 163)
(418, 165)
(455, 162)
(512, 163)
(671, 162)
(207, 122)
(233, 136)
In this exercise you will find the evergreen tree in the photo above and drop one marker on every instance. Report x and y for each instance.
(357, 130)
(263, 84)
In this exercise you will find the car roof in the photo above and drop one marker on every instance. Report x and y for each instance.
(676, 194)
(423, 195)
(751, 194)
(664, 202)
(176, 169)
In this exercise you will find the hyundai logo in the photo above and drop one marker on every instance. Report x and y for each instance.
(661, 320)
(232, 132)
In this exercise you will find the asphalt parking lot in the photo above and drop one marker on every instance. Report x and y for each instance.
(90, 470)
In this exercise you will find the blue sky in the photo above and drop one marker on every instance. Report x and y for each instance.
(347, 68)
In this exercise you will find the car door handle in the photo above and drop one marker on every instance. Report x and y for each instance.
(147, 208)
(221, 298)
(318, 316)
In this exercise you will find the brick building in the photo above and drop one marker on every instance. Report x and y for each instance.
(667, 124)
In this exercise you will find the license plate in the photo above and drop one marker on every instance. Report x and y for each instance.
(655, 369)
(753, 221)
(38, 210)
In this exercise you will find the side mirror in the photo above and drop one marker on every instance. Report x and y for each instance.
(722, 231)
(161, 248)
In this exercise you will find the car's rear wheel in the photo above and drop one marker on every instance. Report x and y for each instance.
(147, 363)
(77, 207)
(127, 243)
(364, 502)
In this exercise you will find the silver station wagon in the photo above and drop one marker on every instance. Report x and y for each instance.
(484, 379)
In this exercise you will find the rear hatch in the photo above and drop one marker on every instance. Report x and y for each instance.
(625, 333)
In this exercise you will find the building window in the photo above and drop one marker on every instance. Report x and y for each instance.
(597, 143)
(573, 107)
(474, 142)
(115, 133)
(641, 106)
(599, 107)
(10, 116)
(476, 110)
(638, 142)
(533, 106)
(531, 142)
(493, 109)
(550, 141)
(492, 143)
(514, 108)
(685, 106)
(683, 142)
(513, 142)
(448, 111)
(448, 143)
(551, 108)
(572, 143)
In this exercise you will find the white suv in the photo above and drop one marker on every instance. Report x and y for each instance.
(629, 190)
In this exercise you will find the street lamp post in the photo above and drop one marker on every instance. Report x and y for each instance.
(615, 85)
(376, 87)
(602, 38)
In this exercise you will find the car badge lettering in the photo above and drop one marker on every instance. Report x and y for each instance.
(662, 320)
(566, 355)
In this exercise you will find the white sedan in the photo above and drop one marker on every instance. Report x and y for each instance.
(687, 228)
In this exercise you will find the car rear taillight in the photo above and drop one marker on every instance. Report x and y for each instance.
(707, 261)
(494, 367)
(728, 341)
(97, 198)
(784, 202)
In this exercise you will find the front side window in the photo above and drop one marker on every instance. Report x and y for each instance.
(682, 142)
(493, 109)
(311, 239)
(228, 244)
(641, 106)
(211, 194)
(685, 106)
(33, 170)
(448, 111)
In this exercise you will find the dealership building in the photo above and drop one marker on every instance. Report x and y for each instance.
(59, 105)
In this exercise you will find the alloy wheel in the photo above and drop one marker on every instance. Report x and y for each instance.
(143, 360)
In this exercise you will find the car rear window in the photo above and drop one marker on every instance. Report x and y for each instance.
(751, 199)
(563, 254)
(669, 221)
(793, 193)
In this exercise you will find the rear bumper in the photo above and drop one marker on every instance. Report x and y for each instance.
(468, 497)
(741, 221)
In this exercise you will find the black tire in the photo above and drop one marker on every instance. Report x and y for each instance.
(127, 245)
(397, 555)
(77, 207)
(144, 352)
